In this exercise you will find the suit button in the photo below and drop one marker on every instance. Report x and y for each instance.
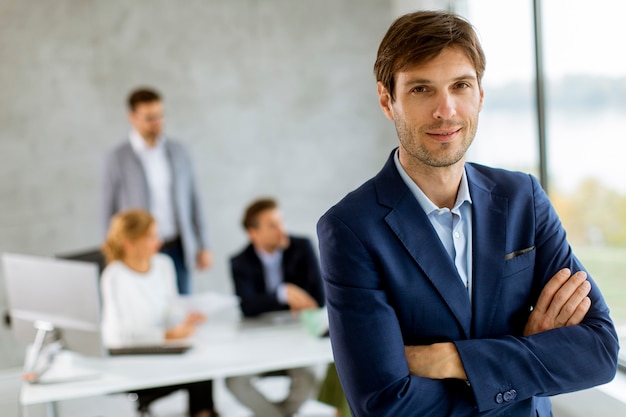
(513, 394)
(507, 396)
(499, 398)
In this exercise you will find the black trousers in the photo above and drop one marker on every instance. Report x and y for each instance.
(200, 396)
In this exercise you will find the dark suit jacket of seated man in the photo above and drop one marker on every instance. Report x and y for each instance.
(300, 267)
(275, 272)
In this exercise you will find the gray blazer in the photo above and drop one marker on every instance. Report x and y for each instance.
(125, 186)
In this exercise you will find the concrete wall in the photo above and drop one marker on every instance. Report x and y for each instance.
(273, 97)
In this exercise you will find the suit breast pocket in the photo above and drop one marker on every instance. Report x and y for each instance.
(519, 261)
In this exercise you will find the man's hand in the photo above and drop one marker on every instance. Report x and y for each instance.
(436, 361)
(298, 299)
(562, 302)
(204, 259)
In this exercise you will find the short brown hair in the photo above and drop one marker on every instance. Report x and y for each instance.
(142, 95)
(415, 38)
(126, 225)
(251, 216)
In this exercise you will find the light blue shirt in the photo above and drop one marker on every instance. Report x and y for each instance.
(273, 271)
(454, 227)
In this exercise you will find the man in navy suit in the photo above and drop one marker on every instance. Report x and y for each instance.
(275, 272)
(451, 287)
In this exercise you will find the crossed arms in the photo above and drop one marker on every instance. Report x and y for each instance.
(564, 301)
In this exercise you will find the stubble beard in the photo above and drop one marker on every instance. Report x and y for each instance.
(409, 140)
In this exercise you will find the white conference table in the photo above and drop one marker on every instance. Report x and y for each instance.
(220, 350)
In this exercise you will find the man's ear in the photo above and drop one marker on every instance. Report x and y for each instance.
(384, 99)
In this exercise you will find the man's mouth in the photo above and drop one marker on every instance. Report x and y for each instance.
(444, 135)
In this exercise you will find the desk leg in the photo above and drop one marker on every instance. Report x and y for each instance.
(51, 409)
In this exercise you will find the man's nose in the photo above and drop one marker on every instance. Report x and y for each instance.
(445, 106)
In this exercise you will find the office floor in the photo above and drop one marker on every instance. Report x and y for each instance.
(120, 406)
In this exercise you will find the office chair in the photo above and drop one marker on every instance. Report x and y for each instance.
(93, 255)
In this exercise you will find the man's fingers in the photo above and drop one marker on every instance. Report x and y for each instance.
(581, 311)
(551, 288)
(569, 307)
(562, 302)
(565, 294)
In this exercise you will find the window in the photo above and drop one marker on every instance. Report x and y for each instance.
(507, 131)
(586, 110)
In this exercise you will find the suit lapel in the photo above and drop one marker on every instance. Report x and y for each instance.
(256, 266)
(489, 214)
(411, 225)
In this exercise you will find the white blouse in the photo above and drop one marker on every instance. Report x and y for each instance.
(138, 307)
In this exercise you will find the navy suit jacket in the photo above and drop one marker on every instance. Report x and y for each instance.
(390, 282)
(300, 267)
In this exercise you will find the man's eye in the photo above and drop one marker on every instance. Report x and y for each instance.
(420, 89)
(462, 85)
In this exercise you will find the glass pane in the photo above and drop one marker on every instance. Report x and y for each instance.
(586, 109)
(507, 131)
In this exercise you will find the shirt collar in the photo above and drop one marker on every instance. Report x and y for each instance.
(427, 205)
(139, 143)
(269, 258)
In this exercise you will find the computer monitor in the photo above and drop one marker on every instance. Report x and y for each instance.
(59, 292)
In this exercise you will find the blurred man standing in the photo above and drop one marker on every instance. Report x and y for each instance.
(149, 171)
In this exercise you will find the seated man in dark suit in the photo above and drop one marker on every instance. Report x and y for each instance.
(274, 272)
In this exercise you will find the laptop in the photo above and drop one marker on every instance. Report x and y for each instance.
(174, 347)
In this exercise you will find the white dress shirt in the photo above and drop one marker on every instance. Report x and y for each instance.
(273, 273)
(158, 171)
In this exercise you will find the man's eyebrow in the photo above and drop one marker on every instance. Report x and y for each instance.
(468, 76)
(413, 81)
(464, 77)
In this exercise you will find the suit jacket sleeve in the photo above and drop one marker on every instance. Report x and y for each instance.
(366, 337)
(109, 187)
(200, 225)
(194, 228)
(553, 362)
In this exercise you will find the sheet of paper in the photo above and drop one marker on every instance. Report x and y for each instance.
(207, 303)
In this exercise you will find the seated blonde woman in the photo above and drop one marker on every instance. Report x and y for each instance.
(138, 294)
